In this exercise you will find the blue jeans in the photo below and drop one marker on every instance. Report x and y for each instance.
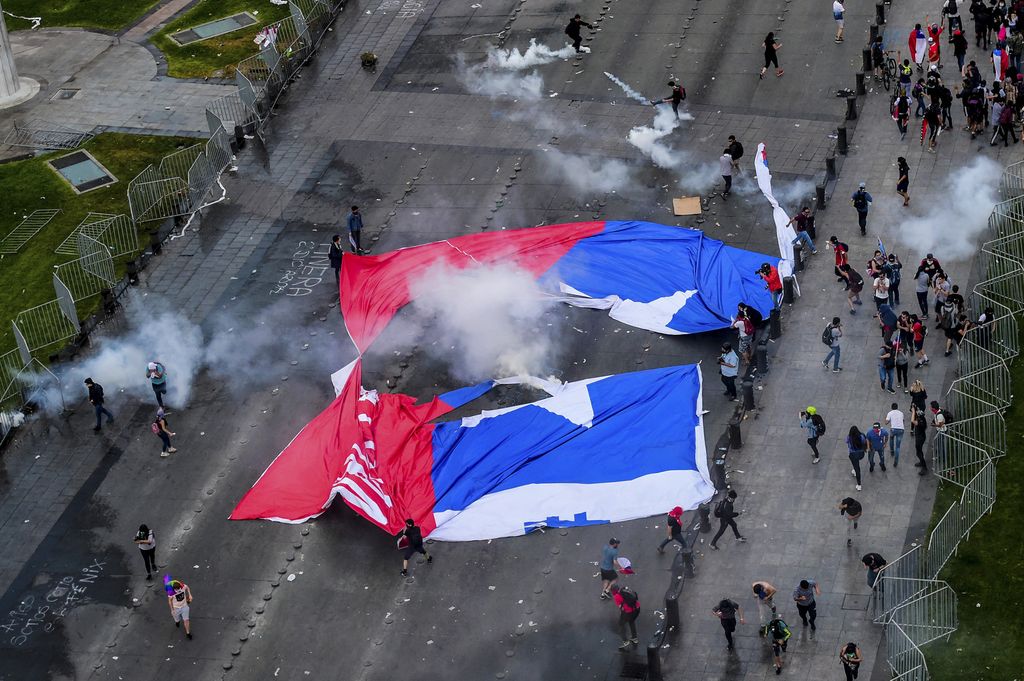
(833, 353)
(871, 457)
(100, 410)
(777, 298)
(885, 377)
(806, 238)
(895, 440)
(921, 108)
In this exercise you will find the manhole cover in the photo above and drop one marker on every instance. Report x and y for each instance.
(65, 93)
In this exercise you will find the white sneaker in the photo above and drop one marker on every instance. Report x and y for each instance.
(585, 49)
(859, 488)
(164, 455)
(853, 473)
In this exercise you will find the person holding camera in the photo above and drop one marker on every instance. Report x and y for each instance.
(772, 282)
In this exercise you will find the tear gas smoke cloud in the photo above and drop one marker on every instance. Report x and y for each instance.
(587, 174)
(535, 55)
(496, 83)
(649, 139)
(486, 320)
(953, 222)
(793, 196)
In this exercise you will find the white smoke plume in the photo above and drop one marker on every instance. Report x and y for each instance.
(589, 174)
(497, 83)
(794, 195)
(485, 321)
(535, 55)
(156, 334)
(955, 219)
(649, 139)
(630, 92)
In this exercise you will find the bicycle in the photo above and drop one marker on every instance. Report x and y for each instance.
(888, 72)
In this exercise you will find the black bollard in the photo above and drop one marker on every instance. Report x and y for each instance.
(718, 471)
(788, 293)
(830, 167)
(798, 257)
(761, 357)
(851, 108)
(865, 59)
(672, 609)
(109, 302)
(735, 436)
(748, 394)
(841, 144)
(687, 555)
(654, 660)
(704, 512)
(860, 89)
(879, 13)
(154, 243)
(132, 271)
(872, 33)
(819, 195)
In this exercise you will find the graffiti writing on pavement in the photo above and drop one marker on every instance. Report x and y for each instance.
(308, 269)
(38, 615)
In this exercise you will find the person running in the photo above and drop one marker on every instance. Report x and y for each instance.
(674, 527)
(573, 31)
(856, 444)
(725, 168)
(806, 606)
(804, 224)
(179, 598)
(919, 426)
(903, 183)
(835, 329)
(852, 509)
(842, 254)
(894, 419)
(145, 539)
(932, 126)
(815, 427)
(778, 634)
(765, 594)
(96, 400)
(629, 610)
(413, 543)
(919, 330)
(771, 48)
(729, 364)
(850, 657)
(878, 438)
(609, 566)
(157, 375)
(725, 511)
(675, 98)
(861, 200)
(854, 285)
(837, 13)
(160, 429)
(726, 611)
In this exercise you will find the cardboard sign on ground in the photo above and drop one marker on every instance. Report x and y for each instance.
(686, 205)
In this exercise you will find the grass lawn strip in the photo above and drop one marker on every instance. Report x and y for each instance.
(26, 277)
(987, 574)
(111, 15)
(215, 57)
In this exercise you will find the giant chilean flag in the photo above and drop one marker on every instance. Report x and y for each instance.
(596, 451)
(918, 43)
(667, 279)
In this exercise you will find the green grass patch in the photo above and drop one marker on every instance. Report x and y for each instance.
(215, 57)
(988, 575)
(26, 277)
(112, 15)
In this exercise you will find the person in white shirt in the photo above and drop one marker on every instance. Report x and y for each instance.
(725, 167)
(837, 14)
(894, 419)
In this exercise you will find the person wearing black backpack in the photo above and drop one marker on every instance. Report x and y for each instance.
(861, 200)
(726, 513)
(629, 611)
(830, 336)
(815, 427)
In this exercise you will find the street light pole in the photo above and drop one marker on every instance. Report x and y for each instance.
(13, 90)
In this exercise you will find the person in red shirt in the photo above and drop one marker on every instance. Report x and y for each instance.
(842, 256)
(773, 282)
(629, 610)
(918, 329)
